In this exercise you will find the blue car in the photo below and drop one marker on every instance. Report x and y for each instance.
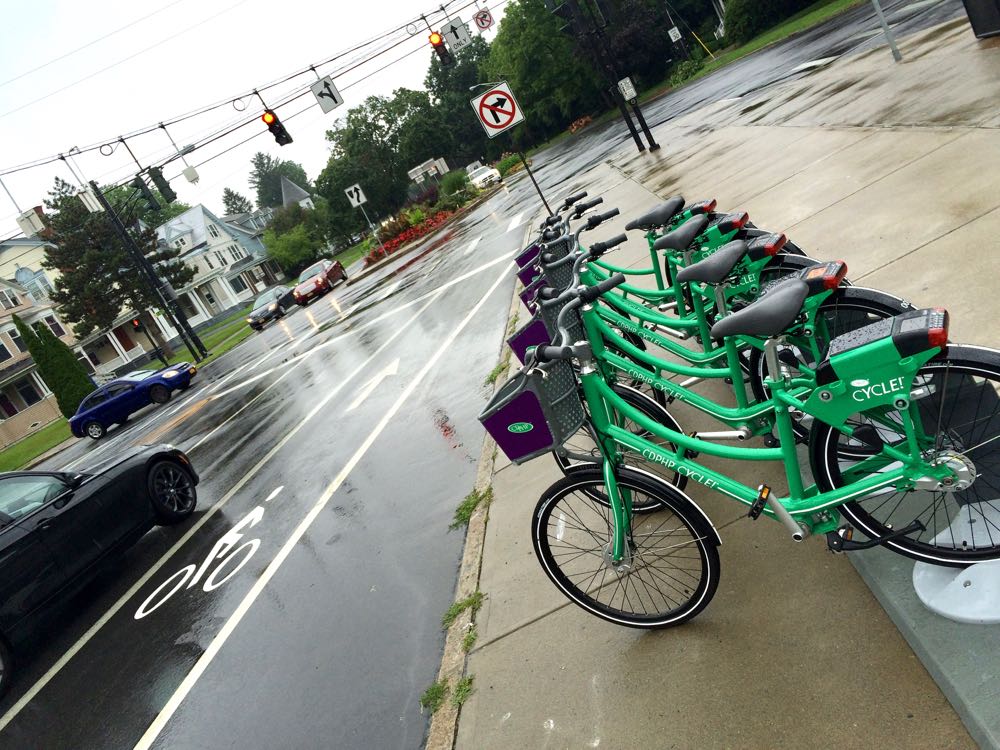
(113, 402)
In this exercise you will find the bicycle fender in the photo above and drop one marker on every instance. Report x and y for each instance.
(707, 527)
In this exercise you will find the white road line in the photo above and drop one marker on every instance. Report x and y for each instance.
(147, 739)
(137, 586)
(472, 246)
(277, 491)
(516, 222)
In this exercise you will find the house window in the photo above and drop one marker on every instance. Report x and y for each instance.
(234, 253)
(220, 257)
(27, 391)
(4, 352)
(39, 288)
(7, 406)
(181, 242)
(213, 231)
(53, 324)
(15, 336)
(85, 361)
(8, 299)
(238, 284)
(208, 262)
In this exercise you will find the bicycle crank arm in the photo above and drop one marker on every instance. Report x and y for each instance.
(841, 539)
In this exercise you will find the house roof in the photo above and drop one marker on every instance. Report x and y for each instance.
(195, 222)
(291, 193)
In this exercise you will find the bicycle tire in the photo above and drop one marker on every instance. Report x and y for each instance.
(575, 570)
(653, 410)
(974, 373)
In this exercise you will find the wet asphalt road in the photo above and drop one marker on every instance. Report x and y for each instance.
(330, 632)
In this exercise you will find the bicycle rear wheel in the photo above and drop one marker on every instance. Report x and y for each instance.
(674, 570)
(957, 404)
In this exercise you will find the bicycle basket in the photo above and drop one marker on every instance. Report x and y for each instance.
(529, 294)
(550, 315)
(535, 412)
(559, 277)
(528, 274)
(533, 333)
(528, 256)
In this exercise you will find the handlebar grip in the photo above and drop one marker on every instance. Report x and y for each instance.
(598, 248)
(547, 293)
(595, 221)
(552, 221)
(590, 294)
(550, 235)
(574, 198)
(545, 354)
(583, 207)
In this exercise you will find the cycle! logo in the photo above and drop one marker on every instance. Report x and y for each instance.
(864, 391)
(521, 427)
(227, 555)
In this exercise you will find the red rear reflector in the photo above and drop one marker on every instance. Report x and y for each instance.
(939, 336)
(704, 207)
(774, 244)
(832, 281)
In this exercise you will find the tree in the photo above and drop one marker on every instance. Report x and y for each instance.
(99, 279)
(57, 364)
(449, 87)
(234, 203)
(135, 209)
(265, 178)
(293, 250)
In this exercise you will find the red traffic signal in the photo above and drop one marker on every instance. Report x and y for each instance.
(437, 42)
(136, 325)
(281, 136)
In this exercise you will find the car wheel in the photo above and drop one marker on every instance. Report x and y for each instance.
(171, 492)
(159, 394)
(94, 430)
(6, 667)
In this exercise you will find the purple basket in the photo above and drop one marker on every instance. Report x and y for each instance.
(528, 256)
(528, 274)
(529, 294)
(533, 333)
(535, 411)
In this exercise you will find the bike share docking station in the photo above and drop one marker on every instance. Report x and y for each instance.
(970, 595)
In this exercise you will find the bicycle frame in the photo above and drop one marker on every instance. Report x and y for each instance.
(805, 510)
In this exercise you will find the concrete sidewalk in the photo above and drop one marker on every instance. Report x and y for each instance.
(894, 169)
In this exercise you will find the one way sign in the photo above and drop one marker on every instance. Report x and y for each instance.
(456, 33)
(326, 94)
(497, 110)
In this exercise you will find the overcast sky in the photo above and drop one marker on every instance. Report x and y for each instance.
(177, 56)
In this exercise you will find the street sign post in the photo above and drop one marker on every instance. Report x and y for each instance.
(483, 19)
(675, 34)
(326, 94)
(356, 196)
(627, 88)
(456, 33)
(497, 110)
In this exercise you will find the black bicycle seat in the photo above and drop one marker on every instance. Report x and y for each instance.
(659, 216)
(768, 316)
(684, 235)
(717, 266)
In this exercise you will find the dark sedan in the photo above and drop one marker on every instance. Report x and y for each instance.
(267, 307)
(57, 530)
(113, 402)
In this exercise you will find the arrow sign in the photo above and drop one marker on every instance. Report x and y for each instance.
(326, 94)
(356, 195)
(497, 110)
(484, 19)
(457, 34)
(366, 390)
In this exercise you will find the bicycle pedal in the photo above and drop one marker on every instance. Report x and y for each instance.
(835, 539)
(757, 507)
(770, 441)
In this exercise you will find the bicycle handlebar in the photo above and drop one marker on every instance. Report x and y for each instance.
(599, 248)
(595, 221)
(583, 207)
(591, 293)
(568, 203)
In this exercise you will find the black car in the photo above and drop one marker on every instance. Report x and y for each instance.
(268, 306)
(58, 529)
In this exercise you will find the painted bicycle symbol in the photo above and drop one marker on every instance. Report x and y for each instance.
(230, 555)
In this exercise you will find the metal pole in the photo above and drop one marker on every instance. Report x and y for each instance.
(385, 253)
(653, 145)
(194, 345)
(534, 181)
(888, 32)
(11, 197)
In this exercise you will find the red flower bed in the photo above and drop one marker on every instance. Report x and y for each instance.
(407, 236)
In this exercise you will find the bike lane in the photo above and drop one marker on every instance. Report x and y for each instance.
(130, 667)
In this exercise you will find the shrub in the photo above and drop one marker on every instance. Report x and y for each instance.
(507, 164)
(684, 71)
(58, 366)
(454, 181)
(745, 19)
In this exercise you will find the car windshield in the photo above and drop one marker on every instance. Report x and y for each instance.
(265, 299)
(139, 375)
(310, 272)
(481, 171)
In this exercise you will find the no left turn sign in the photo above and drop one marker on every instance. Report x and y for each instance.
(484, 19)
(497, 110)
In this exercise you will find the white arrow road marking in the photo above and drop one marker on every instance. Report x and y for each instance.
(516, 222)
(472, 246)
(147, 739)
(366, 390)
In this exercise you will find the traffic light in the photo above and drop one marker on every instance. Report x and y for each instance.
(569, 12)
(281, 136)
(147, 195)
(437, 42)
(136, 325)
(156, 175)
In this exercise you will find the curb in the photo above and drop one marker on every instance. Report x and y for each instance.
(408, 249)
(54, 451)
(444, 721)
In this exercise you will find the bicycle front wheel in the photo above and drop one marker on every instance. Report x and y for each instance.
(674, 568)
(956, 408)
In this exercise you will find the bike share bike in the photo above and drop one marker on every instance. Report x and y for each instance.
(903, 445)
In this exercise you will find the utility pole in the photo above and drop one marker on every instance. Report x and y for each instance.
(170, 306)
